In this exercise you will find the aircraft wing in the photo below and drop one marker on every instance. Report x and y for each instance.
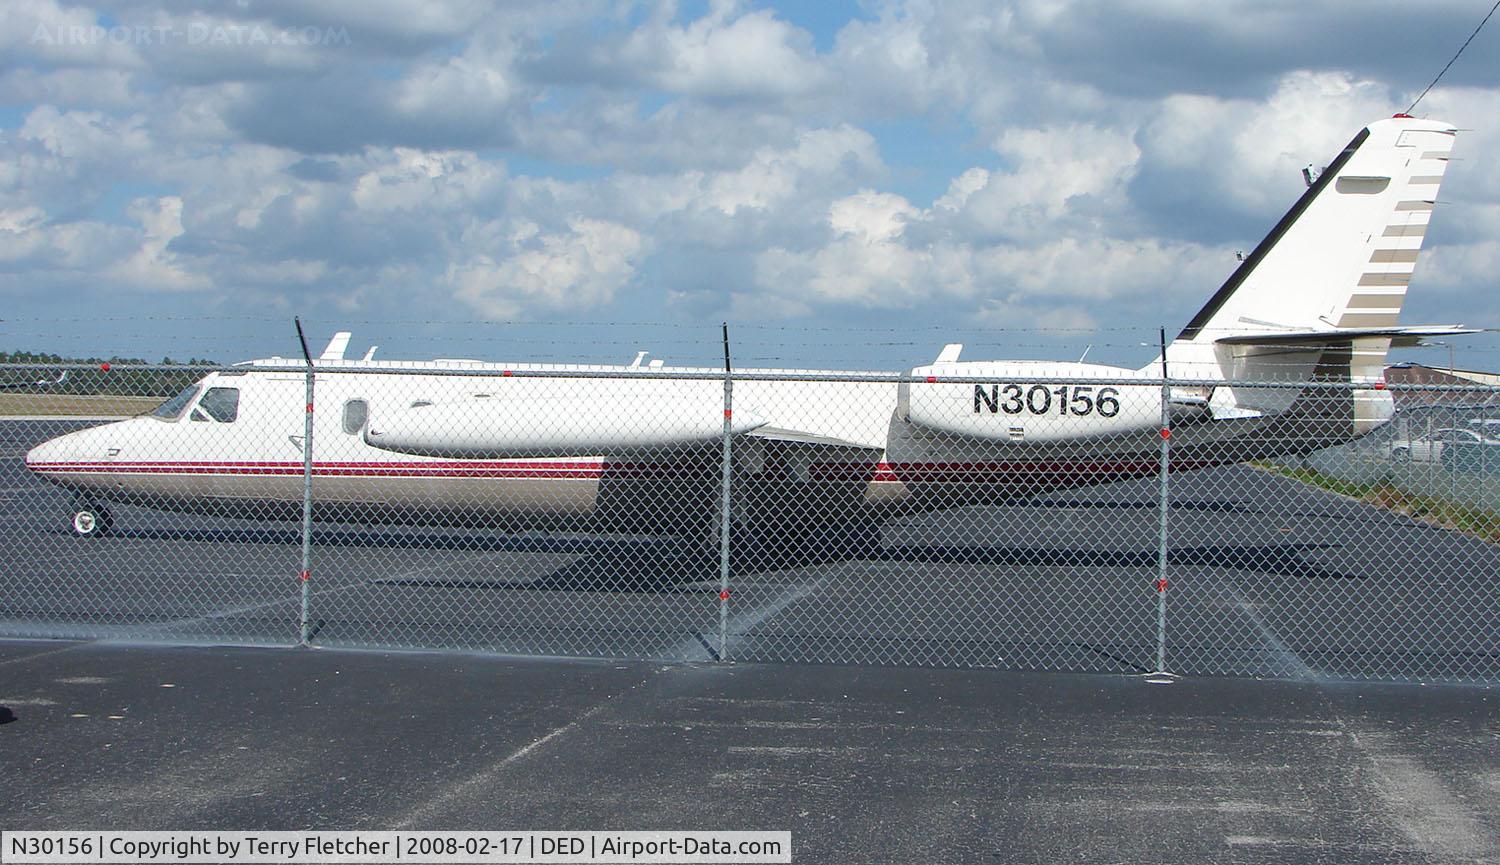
(789, 436)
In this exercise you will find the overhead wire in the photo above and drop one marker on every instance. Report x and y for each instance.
(1455, 57)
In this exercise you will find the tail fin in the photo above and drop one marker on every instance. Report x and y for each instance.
(1343, 255)
(1319, 297)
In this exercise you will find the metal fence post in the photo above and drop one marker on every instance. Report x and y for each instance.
(725, 516)
(1165, 510)
(307, 495)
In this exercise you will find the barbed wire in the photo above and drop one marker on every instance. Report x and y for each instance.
(677, 343)
(693, 326)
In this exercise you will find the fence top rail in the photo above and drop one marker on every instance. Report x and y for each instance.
(705, 374)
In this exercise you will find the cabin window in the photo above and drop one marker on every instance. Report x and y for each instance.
(220, 403)
(356, 412)
(172, 408)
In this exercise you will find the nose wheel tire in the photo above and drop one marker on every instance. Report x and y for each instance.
(91, 521)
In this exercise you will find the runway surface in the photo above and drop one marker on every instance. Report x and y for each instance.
(1267, 577)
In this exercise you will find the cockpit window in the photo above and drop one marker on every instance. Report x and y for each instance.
(220, 403)
(172, 408)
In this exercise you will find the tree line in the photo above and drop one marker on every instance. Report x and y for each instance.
(98, 381)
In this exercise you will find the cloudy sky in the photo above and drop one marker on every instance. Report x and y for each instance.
(844, 182)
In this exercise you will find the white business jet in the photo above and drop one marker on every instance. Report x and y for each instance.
(490, 444)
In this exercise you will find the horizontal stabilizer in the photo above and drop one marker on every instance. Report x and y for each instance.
(1400, 337)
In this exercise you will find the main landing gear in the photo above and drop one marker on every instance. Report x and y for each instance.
(90, 519)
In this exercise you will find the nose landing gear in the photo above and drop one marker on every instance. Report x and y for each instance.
(91, 520)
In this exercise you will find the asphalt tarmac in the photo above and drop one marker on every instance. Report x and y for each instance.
(1267, 577)
(860, 764)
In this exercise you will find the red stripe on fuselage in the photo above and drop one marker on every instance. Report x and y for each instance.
(571, 469)
(934, 472)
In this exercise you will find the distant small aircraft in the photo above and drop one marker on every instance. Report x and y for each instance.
(622, 446)
(46, 382)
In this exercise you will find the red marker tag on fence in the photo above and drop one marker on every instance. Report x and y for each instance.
(305, 576)
(728, 413)
(104, 366)
(1161, 585)
(1166, 433)
(724, 595)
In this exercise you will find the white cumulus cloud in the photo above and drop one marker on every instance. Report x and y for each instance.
(573, 271)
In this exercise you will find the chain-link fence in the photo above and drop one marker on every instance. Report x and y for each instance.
(1019, 522)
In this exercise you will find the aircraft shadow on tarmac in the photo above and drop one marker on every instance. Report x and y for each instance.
(667, 564)
(1279, 560)
(663, 570)
(1143, 505)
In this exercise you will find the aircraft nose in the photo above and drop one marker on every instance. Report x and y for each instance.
(67, 448)
(48, 453)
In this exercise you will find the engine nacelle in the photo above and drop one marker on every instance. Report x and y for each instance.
(1024, 402)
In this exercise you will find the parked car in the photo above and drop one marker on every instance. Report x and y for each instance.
(1472, 459)
(1429, 448)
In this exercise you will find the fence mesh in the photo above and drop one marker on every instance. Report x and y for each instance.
(871, 519)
